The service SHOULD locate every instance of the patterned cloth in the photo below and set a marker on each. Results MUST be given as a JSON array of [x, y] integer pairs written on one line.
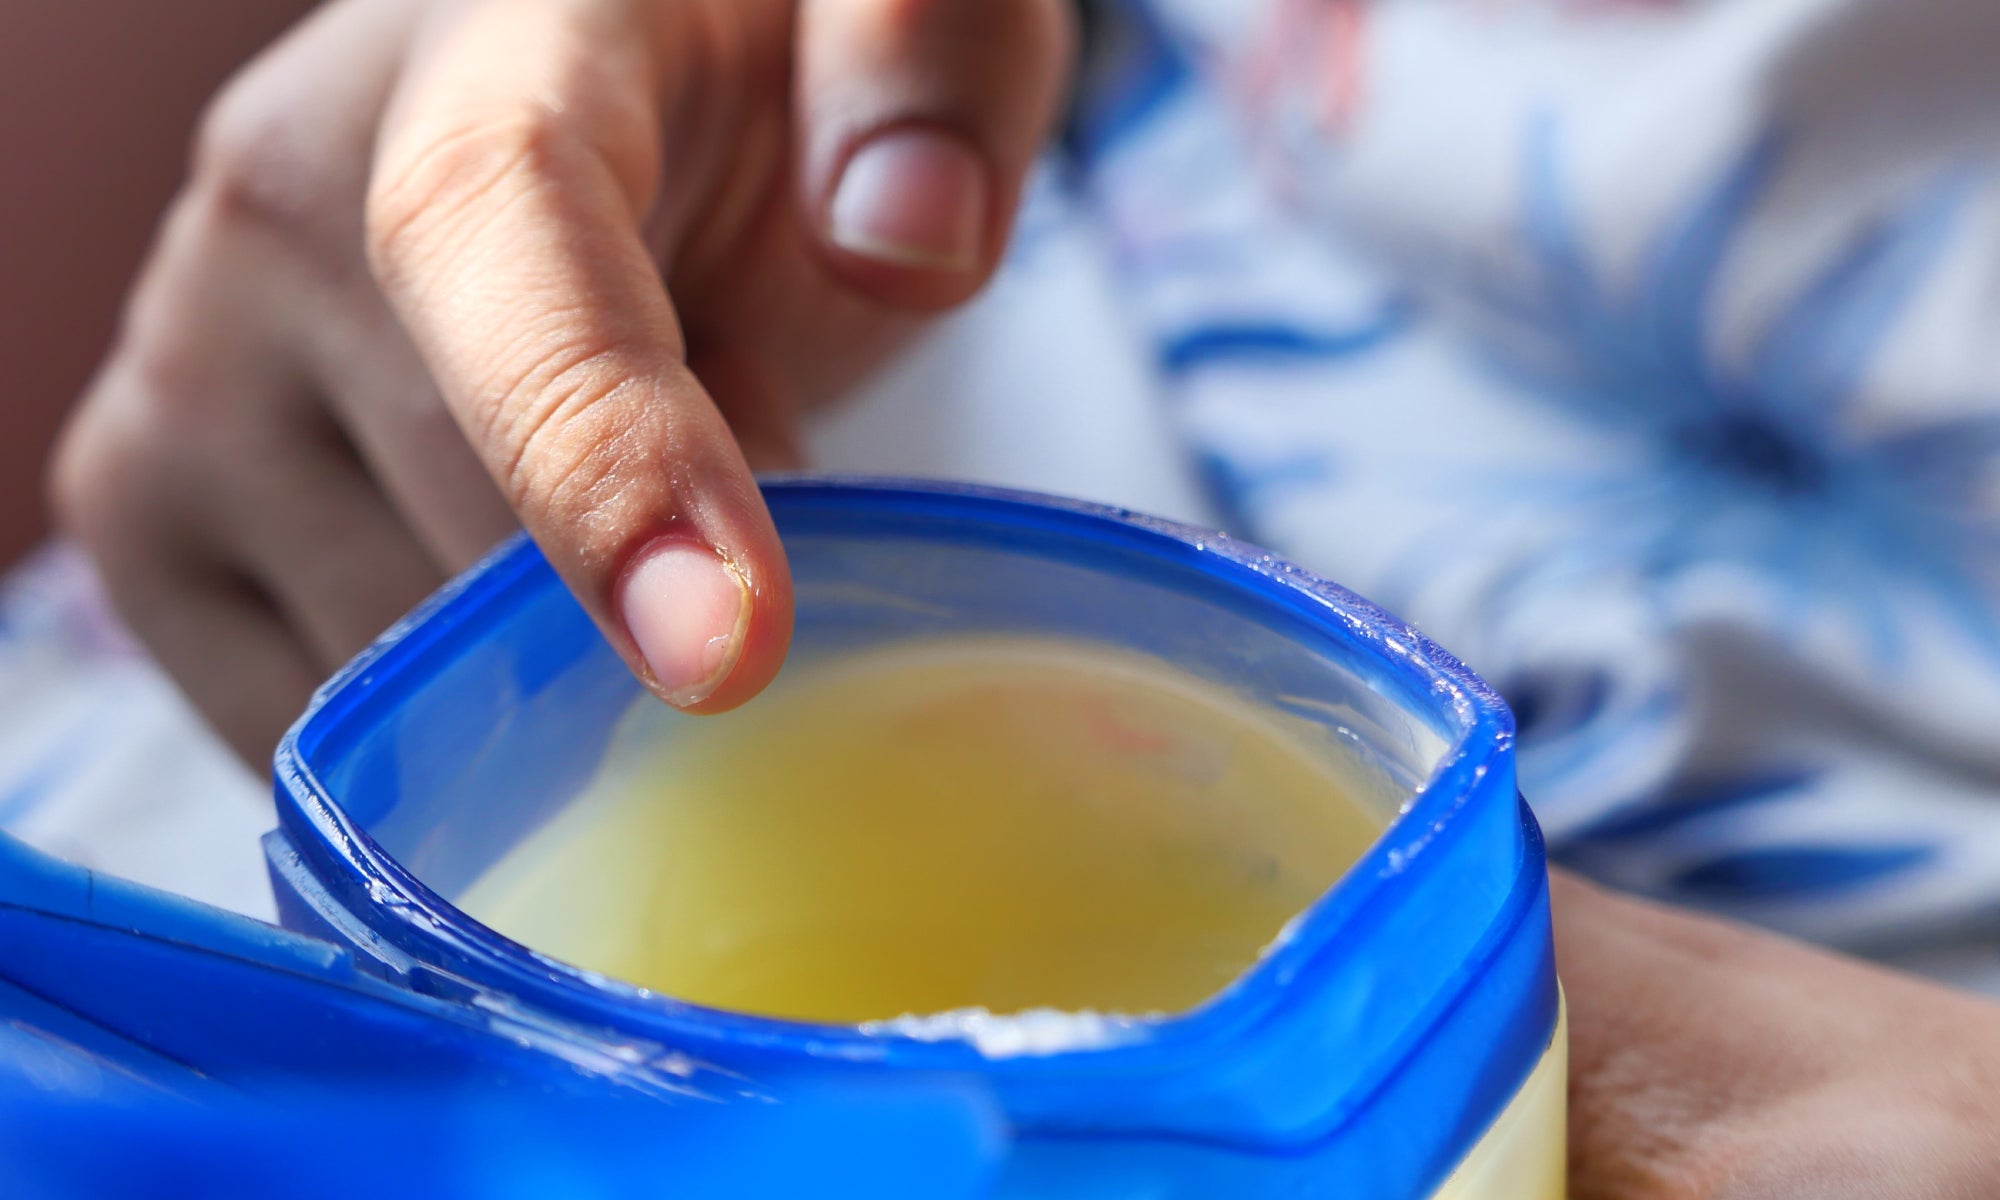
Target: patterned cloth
[[1642, 353]]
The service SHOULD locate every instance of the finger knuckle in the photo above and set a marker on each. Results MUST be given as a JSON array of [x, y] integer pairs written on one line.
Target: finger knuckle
[[155, 429], [169, 386], [420, 195], [258, 165]]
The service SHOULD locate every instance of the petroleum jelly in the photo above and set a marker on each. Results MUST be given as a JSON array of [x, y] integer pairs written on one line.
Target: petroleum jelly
[[996, 824]]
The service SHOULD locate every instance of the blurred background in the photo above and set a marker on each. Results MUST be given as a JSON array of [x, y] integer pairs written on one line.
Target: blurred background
[[99, 97]]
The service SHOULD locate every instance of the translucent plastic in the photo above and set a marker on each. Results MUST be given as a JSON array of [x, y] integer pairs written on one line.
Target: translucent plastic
[[1365, 1054], [1524, 1154]]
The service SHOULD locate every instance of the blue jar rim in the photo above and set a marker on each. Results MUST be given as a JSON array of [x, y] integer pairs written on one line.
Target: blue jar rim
[[349, 861]]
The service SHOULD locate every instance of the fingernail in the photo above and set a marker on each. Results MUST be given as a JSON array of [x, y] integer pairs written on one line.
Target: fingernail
[[912, 197], [688, 611]]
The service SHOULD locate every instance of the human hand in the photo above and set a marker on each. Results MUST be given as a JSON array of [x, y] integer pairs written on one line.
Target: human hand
[[597, 251], [1710, 1062]]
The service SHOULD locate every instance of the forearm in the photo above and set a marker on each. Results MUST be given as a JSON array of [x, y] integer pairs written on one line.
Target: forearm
[[1712, 1061]]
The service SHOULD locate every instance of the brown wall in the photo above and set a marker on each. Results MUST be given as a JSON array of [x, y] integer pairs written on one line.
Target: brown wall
[[97, 98]]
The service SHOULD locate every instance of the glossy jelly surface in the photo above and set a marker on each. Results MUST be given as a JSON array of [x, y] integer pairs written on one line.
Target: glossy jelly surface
[[1003, 823]]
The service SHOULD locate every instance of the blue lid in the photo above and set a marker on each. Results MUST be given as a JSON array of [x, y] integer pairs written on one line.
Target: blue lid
[[152, 1046], [1371, 1047]]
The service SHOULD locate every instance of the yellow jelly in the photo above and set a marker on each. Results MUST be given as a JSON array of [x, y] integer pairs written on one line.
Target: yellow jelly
[[1004, 824]]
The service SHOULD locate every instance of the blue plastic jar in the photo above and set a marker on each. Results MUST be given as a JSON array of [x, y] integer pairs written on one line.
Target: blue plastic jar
[[1365, 1055]]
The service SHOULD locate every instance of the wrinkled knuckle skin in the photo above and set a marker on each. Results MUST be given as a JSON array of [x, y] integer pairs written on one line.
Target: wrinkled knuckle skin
[[169, 388], [258, 168], [420, 197]]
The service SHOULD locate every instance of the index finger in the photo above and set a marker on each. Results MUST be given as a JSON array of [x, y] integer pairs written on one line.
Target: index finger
[[519, 159]]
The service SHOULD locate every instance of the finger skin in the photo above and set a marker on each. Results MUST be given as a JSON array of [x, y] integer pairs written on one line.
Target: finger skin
[[232, 525], [504, 225], [280, 174], [137, 510], [990, 73], [541, 168], [1712, 1061]]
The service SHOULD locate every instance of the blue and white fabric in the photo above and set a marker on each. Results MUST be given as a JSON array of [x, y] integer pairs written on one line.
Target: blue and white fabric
[[1644, 354]]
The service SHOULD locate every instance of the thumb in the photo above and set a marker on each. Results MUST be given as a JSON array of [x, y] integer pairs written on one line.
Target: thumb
[[920, 119]]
